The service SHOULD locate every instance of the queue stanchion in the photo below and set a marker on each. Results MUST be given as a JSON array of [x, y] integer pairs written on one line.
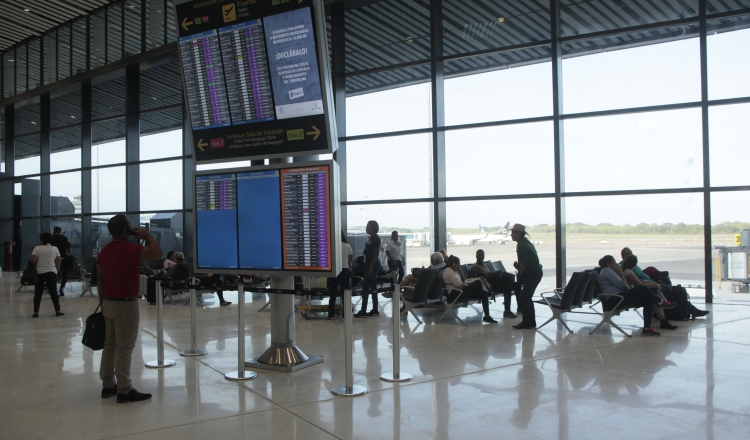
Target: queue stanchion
[[241, 374], [193, 331], [397, 375], [349, 389], [160, 362]]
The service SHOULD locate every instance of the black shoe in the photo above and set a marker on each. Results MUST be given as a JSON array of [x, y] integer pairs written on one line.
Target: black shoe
[[373, 312], [489, 319], [132, 396], [35, 315], [524, 325], [509, 314], [700, 313], [109, 392], [666, 325], [62, 293], [329, 318], [59, 313], [361, 314]]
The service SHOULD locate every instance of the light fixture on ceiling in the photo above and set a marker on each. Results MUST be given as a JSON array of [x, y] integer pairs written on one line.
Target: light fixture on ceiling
[[501, 20], [26, 10], [154, 98], [409, 39], [33, 122], [72, 116]]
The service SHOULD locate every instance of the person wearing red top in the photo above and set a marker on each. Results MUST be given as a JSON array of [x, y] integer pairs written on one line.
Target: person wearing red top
[[118, 269]]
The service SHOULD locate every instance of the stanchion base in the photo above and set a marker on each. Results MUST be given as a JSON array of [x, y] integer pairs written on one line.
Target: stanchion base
[[193, 353], [355, 390], [246, 375], [402, 377], [284, 368], [155, 364]]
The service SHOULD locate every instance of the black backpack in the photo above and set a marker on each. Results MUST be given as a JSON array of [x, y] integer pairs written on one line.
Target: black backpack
[[681, 312], [29, 275]]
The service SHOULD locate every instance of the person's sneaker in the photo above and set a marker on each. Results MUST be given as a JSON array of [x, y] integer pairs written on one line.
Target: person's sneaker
[[648, 331], [373, 312], [225, 303], [509, 314], [387, 294], [666, 325], [109, 392], [489, 319], [361, 314], [666, 305], [329, 318], [132, 396], [62, 293], [59, 313], [701, 313], [35, 315]]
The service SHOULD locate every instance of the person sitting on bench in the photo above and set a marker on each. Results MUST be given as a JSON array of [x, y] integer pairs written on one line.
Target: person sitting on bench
[[436, 262], [456, 286], [500, 281], [611, 281], [627, 271]]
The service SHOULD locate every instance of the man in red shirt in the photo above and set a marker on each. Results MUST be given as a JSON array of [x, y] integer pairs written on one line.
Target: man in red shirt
[[118, 269]]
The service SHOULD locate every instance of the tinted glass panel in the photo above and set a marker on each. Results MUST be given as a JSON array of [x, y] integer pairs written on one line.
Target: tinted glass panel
[[27, 150], [50, 57], [132, 27], [728, 68], [161, 86], [27, 119], [108, 189], [9, 73], [108, 98], [161, 145], [161, 186], [80, 32], [63, 52], [65, 148], [66, 109], [729, 137], [114, 32], [97, 39], [582, 17], [65, 193], [154, 24], [35, 63], [629, 151]]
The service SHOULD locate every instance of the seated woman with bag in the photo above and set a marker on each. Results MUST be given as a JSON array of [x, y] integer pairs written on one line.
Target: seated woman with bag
[[473, 290]]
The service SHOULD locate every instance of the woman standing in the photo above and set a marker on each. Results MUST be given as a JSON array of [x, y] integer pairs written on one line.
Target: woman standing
[[372, 262], [47, 261], [529, 275]]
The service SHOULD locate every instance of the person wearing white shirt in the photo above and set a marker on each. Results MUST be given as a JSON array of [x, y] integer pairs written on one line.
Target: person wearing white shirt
[[395, 258], [47, 260], [455, 285], [344, 279]]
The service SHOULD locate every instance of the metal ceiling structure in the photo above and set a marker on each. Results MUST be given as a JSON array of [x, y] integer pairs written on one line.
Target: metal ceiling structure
[[22, 19]]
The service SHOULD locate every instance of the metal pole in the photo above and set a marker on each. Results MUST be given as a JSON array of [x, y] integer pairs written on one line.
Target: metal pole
[[193, 331], [349, 389], [397, 375], [241, 374], [160, 362]]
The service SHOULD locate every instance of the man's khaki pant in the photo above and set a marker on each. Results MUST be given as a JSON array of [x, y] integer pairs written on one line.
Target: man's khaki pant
[[121, 326]]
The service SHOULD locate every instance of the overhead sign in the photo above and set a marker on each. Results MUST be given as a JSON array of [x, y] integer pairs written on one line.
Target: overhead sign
[[256, 78]]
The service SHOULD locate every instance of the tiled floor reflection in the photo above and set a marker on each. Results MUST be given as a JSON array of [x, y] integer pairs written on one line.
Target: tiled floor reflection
[[480, 381]]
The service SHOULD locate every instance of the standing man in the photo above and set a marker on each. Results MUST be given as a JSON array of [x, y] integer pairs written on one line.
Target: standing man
[[118, 269], [529, 275], [395, 258], [63, 245]]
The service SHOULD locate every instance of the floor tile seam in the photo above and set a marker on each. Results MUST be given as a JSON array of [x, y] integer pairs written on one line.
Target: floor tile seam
[[311, 422], [190, 423], [703, 338]]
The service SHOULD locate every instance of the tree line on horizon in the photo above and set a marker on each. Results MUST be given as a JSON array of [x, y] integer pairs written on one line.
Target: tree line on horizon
[[725, 228]]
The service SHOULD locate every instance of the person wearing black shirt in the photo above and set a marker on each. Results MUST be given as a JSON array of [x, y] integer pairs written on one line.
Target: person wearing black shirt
[[372, 262], [63, 245]]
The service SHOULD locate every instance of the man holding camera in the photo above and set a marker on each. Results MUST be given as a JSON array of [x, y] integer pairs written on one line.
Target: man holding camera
[[118, 269]]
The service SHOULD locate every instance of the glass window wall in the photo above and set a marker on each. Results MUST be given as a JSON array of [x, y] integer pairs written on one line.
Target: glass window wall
[[108, 190], [728, 70], [729, 137], [161, 185], [65, 193]]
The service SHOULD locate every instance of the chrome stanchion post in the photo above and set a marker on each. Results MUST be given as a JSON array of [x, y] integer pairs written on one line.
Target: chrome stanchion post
[[397, 375], [193, 331], [349, 389], [241, 374], [159, 362]]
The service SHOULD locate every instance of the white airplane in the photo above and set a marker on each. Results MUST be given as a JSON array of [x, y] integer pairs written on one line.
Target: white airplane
[[500, 237], [483, 238]]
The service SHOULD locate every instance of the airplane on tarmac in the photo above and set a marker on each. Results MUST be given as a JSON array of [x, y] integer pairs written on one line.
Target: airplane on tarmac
[[499, 237]]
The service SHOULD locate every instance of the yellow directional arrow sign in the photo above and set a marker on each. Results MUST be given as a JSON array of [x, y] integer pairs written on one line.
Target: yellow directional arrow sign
[[202, 144], [315, 133], [186, 24]]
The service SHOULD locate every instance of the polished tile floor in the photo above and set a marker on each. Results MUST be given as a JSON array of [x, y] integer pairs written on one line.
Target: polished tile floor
[[477, 382]]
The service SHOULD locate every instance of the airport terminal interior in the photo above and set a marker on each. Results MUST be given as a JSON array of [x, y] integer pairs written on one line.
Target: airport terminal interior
[[596, 124]]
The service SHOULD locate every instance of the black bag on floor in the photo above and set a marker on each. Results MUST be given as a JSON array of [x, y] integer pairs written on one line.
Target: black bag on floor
[[151, 291], [29, 275], [682, 311], [93, 334]]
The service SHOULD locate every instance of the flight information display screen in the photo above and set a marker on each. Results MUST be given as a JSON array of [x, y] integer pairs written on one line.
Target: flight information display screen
[[252, 78], [265, 219]]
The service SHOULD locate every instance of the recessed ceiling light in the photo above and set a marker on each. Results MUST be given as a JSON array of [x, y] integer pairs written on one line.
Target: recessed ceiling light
[[26, 10], [501, 19], [33, 122], [72, 116], [409, 39], [11, 61], [154, 98]]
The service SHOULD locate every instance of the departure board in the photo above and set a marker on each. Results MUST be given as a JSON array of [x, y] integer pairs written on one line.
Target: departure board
[[204, 81], [270, 219], [305, 217], [246, 70], [256, 78]]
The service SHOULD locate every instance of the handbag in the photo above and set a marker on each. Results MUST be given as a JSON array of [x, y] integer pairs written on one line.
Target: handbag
[[94, 333]]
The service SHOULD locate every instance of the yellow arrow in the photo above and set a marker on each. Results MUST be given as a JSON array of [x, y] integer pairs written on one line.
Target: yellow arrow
[[202, 144], [186, 23], [315, 133]]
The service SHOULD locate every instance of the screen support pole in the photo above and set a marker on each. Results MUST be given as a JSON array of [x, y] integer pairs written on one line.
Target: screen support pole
[[159, 362], [241, 374], [283, 355], [349, 389], [193, 331], [397, 375]]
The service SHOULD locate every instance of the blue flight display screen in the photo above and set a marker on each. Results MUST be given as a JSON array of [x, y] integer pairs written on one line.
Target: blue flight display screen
[[259, 219], [216, 204]]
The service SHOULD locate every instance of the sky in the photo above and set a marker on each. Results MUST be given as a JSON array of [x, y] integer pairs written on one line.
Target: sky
[[624, 152]]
